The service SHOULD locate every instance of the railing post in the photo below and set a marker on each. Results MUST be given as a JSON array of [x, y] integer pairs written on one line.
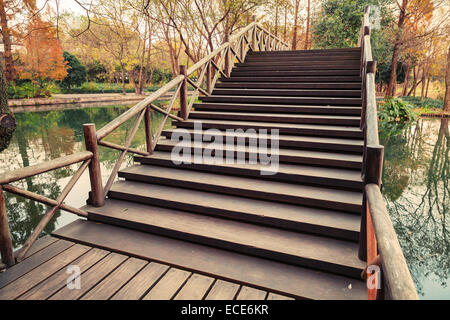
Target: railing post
[[227, 56], [372, 174], [148, 130], [90, 138], [5, 235], [208, 76], [183, 94], [254, 34], [241, 49]]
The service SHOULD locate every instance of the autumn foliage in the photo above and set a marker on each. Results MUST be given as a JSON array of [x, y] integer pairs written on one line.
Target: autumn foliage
[[42, 58]]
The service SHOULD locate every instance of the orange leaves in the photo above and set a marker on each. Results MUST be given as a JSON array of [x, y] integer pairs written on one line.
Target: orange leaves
[[42, 59]]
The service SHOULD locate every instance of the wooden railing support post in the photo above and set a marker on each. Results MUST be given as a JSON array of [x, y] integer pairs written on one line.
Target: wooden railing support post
[[148, 130], [241, 49], [254, 34], [183, 94], [227, 56], [5, 235], [372, 174], [90, 138], [208, 76]]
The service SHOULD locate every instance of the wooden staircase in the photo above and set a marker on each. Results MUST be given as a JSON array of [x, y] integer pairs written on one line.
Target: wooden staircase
[[298, 227]]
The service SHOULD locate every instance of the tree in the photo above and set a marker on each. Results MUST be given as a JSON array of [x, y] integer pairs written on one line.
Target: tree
[[7, 120], [9, 9], [76, 72], [42, 60], [447, 84]]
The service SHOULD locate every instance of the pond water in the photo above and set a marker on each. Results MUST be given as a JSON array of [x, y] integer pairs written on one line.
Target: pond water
[[42, 136], [415, 178], [416, 189]]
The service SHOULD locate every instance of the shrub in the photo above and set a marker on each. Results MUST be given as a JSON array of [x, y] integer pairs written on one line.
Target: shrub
[[27, 90], [397, 110], [426, 103]]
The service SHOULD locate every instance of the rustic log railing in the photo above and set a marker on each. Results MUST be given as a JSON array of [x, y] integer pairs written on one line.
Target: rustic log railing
[[8, 256], [202, 76], [379, 245]]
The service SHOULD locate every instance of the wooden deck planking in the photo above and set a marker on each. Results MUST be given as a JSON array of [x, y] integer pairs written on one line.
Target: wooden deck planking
[[91, 277], [195, 288], [247, 293], [168, 285], [116, 280], [223, 290], [142, 282], [45, 270], [34, 261], [57, 281]]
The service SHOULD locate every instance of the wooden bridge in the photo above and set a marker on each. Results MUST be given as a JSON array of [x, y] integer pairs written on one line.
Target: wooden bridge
[[224, 230]]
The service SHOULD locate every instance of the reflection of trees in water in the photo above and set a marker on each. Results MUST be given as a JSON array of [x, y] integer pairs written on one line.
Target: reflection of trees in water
[[42, 136], [420, 155]]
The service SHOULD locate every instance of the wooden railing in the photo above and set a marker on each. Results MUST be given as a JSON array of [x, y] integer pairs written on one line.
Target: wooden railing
[[379, 245], [202, 76], [8, 256]]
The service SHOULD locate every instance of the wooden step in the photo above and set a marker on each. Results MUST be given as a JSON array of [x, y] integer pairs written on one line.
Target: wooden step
[[284, 128], [309, 51], [340, 110], [291, 85], [318, 158], [320, 197], [311, 251], [294, 79], [302, 174], [277, 117], [326, 223], [288, 141], [265, 274], [300, 67], [286, 92], [303, 73], [284, 100], [356, 61], [302, 59]]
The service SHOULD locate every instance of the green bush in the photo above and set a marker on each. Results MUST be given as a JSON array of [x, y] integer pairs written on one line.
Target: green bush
[[427, 103], [396, 110]]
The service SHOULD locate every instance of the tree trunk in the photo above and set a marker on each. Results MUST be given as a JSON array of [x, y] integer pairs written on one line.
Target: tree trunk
[[422, 92], [447, 84], [405, 85], [396, 50], [9, 73], [294, 37], [276, 19], [307, 25], [428, 85], [285, 23], [7, 120]]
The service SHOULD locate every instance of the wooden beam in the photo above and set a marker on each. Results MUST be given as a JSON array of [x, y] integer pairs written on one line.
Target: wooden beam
[[148, 130], [6, 248], [95, 175], [19, 174], [183, 94]]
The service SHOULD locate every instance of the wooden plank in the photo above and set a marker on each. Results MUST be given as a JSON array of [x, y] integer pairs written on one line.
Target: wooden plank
[[288, 91], [40, 244], [91, 277], [142, 282], [59, 280], [274, 296], [288, 141], [296, 73], [247, 293], [284, 100], [32, 262], [45, 270], [252, 271], [314, 251], [284, 172], [223, 290], [294, 79], [195, 288], [284, 128], [114, 281], [169, 285]]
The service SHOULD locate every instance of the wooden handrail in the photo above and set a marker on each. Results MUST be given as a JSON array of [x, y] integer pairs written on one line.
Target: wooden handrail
[[22, 173], [377, 234], [397, 279]]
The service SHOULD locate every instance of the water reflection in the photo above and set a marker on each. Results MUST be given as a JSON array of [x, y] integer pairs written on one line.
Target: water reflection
[[42, 136], [416, 189]]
